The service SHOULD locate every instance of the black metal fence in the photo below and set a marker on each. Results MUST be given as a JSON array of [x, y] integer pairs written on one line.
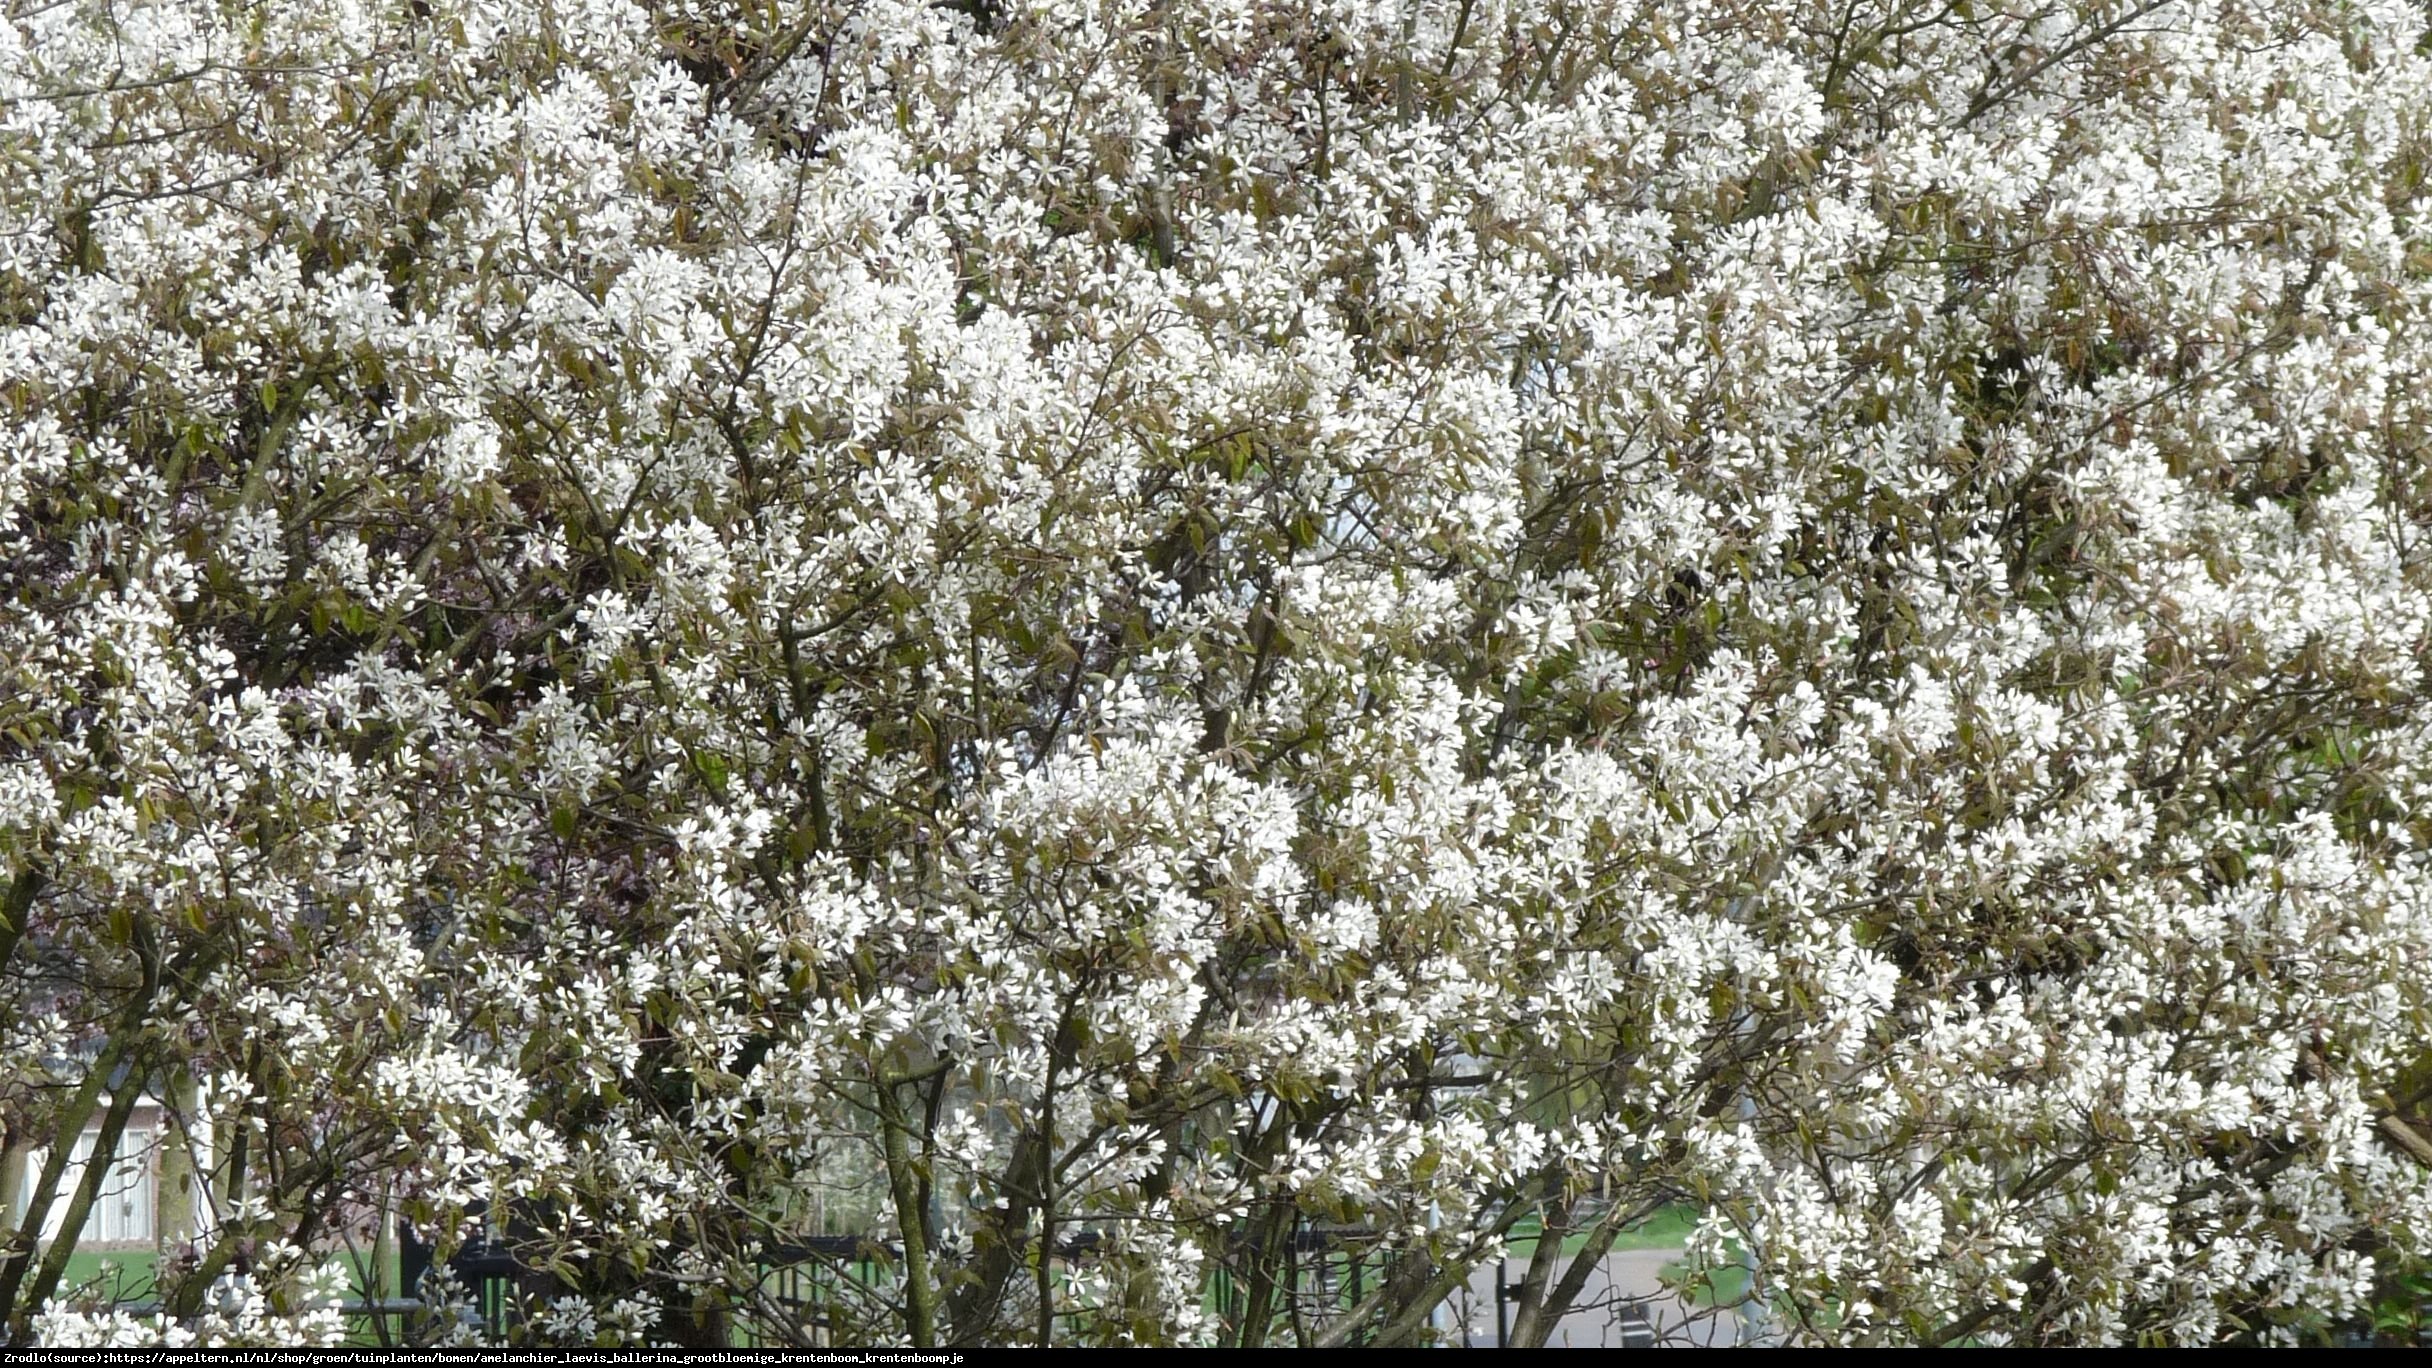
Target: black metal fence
[[815, 1291]]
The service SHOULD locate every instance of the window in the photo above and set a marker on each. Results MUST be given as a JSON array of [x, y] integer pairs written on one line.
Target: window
[[122, 1210]]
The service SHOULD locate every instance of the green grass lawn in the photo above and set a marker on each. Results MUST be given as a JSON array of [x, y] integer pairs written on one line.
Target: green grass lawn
[[116, 1274], [127, 1274], [1666, 1229], [1724, 1287]]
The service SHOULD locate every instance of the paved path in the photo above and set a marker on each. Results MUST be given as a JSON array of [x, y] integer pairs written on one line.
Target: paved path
[[1628, 1275]]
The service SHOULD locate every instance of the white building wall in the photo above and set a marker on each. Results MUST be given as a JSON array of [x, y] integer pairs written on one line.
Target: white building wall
[[126, 1209]]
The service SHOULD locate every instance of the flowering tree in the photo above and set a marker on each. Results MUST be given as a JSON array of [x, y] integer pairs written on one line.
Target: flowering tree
[[1183, 660]]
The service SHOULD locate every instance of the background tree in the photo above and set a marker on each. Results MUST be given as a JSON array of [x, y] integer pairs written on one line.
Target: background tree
[[1160, 643]]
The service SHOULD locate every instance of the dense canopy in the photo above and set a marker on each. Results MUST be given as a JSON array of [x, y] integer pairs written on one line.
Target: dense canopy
[[1107, 643]]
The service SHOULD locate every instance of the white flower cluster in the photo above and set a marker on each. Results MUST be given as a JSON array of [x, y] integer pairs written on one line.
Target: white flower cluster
[[1173, 659], [288, 1301]]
